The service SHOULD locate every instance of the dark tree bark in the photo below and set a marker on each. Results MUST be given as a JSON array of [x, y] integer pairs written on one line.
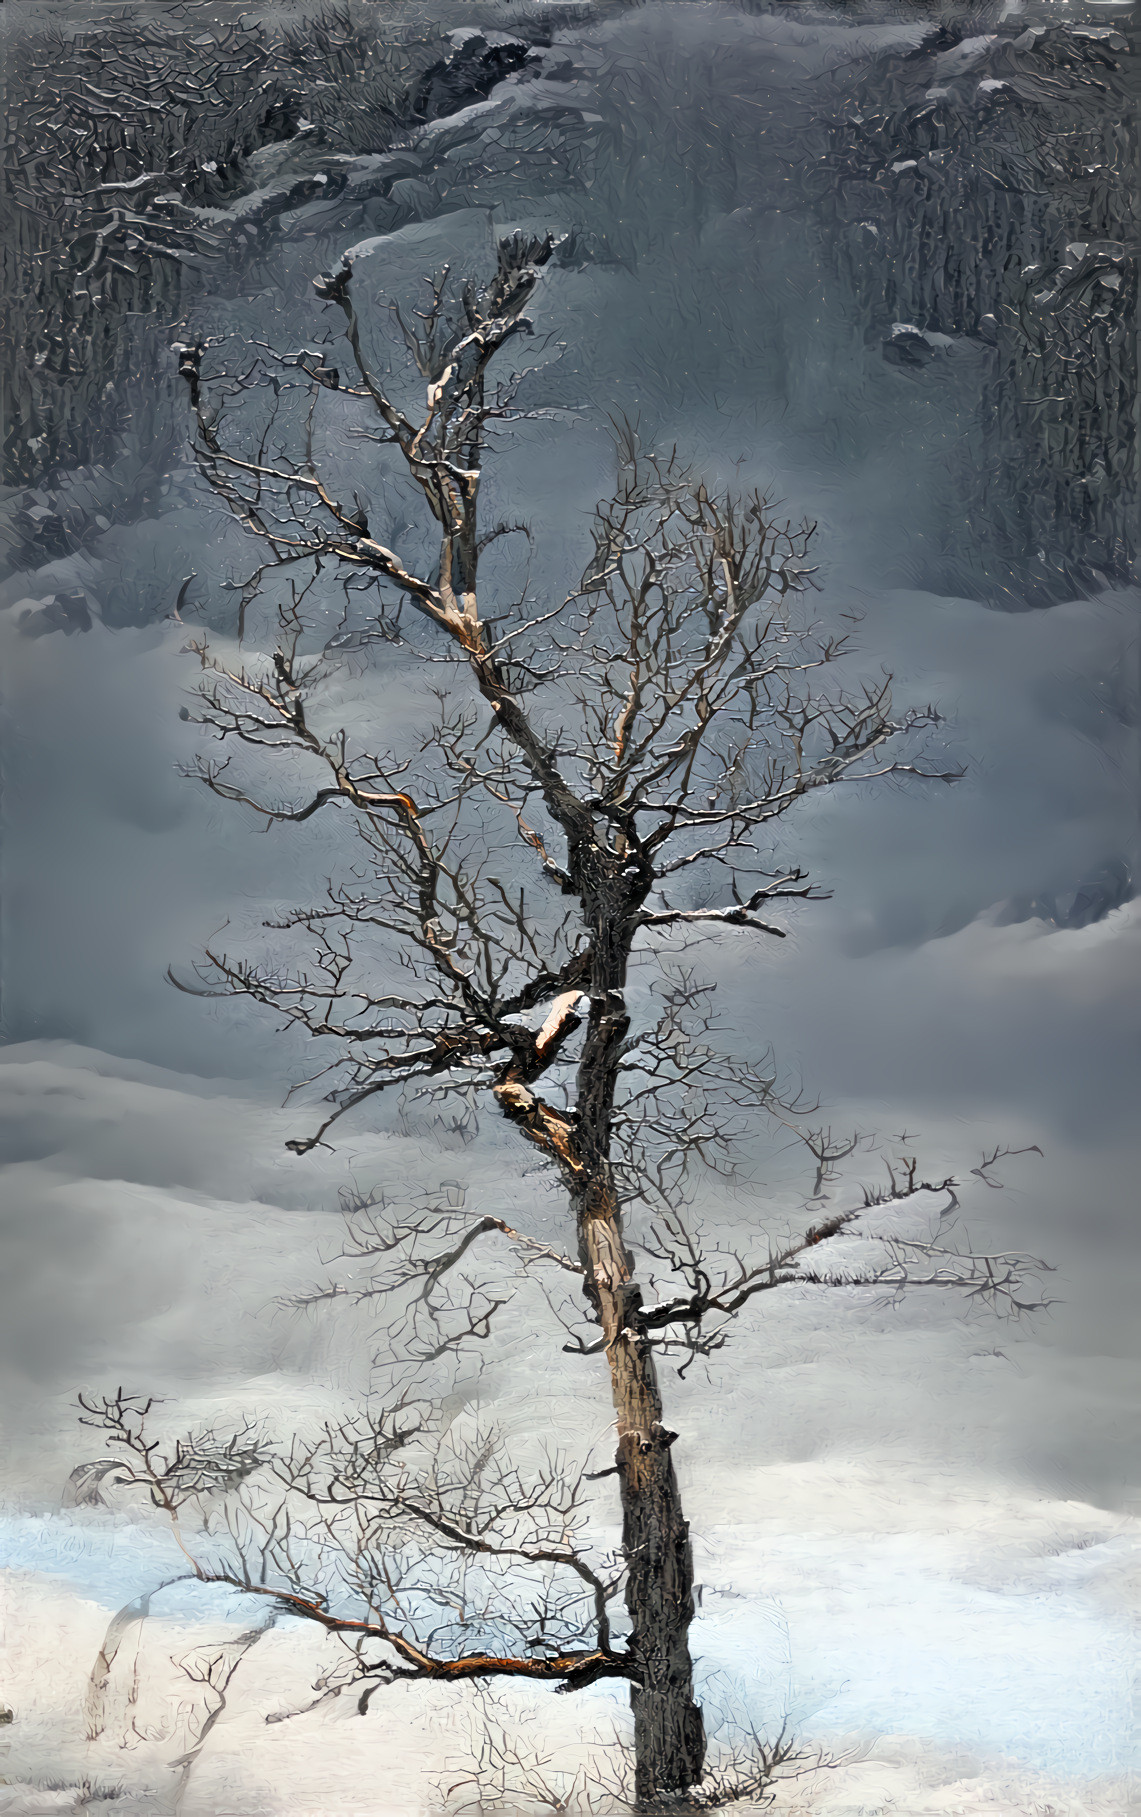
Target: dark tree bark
[[669, 1734]]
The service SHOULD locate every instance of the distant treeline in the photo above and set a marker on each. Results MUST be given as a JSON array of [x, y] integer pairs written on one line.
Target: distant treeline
[[119, 134], [986, 185]]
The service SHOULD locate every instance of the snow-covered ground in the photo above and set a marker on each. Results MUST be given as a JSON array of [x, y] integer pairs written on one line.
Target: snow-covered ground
[[870, 1563], [947, 1651]]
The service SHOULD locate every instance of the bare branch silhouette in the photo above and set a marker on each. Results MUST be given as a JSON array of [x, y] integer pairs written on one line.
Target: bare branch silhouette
[[593, 790]]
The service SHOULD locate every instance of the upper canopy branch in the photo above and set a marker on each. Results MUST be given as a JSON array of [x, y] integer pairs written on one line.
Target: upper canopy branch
[[660, 719]]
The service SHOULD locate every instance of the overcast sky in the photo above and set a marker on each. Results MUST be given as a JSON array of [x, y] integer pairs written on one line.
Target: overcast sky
[[152, 1214]]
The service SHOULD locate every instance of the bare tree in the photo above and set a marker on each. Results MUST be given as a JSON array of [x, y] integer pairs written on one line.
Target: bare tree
[[637, 743]]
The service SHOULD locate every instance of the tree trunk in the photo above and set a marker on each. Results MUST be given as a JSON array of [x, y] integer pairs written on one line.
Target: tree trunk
[[669, 1735]]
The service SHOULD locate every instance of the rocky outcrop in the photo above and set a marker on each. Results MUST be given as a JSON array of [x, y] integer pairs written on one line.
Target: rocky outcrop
[[476, 62]]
